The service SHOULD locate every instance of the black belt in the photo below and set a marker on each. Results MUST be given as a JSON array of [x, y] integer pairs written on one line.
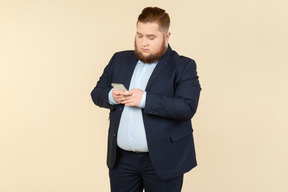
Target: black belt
[[137, 152]]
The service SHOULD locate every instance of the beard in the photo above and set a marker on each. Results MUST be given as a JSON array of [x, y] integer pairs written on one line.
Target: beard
[[152, 57]]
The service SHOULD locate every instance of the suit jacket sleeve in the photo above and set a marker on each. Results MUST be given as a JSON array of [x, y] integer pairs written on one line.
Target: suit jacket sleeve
[[183, 103], [100, 93]]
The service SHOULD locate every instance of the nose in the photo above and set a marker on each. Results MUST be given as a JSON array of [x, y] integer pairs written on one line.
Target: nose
[[145, 42]]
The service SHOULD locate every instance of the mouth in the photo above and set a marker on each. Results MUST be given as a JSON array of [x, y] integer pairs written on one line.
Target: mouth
[[145, 50]]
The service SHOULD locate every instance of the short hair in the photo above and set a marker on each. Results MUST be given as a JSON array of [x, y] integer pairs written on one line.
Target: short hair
[[155, 14]]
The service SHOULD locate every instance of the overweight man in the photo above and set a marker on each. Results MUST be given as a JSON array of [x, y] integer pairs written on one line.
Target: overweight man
[[152, 93]]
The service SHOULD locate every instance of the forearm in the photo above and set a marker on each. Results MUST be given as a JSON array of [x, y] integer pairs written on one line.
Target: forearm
[[179, 103], [100, 93], [172, 108], [100, 97]]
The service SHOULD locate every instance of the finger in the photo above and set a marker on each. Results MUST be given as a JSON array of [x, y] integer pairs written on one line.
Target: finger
[[127, 93], [117, 92], [122, 100]]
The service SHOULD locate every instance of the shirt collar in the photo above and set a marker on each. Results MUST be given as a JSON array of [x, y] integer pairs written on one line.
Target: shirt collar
[[140, 62]]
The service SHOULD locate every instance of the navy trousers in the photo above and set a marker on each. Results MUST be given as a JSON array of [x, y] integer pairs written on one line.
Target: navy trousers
[[134, 172]]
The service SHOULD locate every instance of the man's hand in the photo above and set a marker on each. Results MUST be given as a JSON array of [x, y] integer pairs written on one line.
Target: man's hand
[[131, 98], [118, 96]]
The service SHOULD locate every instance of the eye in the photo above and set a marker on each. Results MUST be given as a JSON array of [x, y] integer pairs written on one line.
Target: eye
[[140, 36], [151, 38]]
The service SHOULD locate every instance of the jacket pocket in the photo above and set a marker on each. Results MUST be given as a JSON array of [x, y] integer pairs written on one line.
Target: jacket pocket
[[180, 134]]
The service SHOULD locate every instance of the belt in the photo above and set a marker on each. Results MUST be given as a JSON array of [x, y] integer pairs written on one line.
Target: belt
[[137, 152], [140, 152]]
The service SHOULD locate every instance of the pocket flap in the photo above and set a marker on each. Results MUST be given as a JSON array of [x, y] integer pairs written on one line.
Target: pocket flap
[[180, 134]]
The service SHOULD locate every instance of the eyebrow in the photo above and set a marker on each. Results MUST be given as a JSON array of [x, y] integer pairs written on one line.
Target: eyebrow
[[148, 35]]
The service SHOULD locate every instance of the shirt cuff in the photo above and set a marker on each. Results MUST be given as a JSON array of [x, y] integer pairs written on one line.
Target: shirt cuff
[[143, 100], [111, 99]]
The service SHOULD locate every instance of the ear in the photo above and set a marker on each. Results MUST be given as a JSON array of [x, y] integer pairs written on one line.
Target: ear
[[167, 36]]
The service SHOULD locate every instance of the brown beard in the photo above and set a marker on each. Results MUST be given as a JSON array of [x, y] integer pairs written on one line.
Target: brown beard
[[152, 57]]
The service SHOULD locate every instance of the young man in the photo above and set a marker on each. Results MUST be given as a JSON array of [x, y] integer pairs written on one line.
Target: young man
[[150, 141]]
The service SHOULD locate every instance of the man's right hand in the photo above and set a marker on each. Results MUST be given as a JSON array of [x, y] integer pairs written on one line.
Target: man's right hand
[[118, 96]]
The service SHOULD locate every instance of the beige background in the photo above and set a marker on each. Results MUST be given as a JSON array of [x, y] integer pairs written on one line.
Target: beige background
[[53, 138]]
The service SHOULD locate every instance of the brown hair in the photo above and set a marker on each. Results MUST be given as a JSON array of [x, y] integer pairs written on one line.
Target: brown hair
[[155, 14]]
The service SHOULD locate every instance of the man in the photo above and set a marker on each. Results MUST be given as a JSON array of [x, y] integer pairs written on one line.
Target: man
[[150, 141]]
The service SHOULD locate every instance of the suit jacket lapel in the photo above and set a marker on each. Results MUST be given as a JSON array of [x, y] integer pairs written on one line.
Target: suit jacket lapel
[[162, 64], [129, 71]]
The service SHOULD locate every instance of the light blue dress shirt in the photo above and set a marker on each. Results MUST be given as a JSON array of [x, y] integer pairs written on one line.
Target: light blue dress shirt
[[131, 132]]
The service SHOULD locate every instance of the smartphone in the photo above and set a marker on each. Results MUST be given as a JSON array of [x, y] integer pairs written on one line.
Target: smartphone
[[119, 86]]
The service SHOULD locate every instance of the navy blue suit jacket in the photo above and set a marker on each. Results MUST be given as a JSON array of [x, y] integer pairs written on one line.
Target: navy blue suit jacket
[[172, 97]]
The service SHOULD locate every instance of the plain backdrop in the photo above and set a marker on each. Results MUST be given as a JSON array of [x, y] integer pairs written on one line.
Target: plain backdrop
[[52, 52]]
